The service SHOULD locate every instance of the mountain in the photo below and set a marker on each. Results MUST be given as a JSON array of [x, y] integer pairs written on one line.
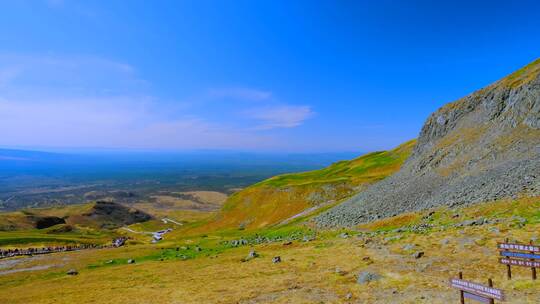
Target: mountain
[[483, 147], [285, 197]]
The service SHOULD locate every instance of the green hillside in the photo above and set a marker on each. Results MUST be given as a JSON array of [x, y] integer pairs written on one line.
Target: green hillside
[[283, 197]]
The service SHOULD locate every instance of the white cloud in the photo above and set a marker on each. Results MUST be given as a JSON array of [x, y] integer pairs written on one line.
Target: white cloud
[[85, 101], [241, 94], [282, 116], [38, 75], [113, 123]]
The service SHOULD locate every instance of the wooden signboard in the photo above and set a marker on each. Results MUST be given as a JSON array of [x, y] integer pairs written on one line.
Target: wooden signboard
[[475, 291], [518, 247], [524, 255], [523, 263], [472, 296], [521, 255]]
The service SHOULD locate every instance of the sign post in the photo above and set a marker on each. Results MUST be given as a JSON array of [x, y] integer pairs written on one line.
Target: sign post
[[533, 269], [519, 255], [475, 291]]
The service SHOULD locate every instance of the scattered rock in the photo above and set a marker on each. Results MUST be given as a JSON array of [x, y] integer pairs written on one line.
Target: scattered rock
[[500, 160], [348, 296], [408, 247], [367, 260], [519, 221], [340, 272], [252, 254], [131, 261], [198, 249], [366, 277], [72, 272], [276, 259], [344, 235], [308, 238], [392, 238], [494, 230], [418, 254], [424, 267], [287, 243], [477, 222]]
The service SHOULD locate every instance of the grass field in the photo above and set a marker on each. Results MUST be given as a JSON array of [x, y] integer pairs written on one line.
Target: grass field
[[282, 197], [321, 270]]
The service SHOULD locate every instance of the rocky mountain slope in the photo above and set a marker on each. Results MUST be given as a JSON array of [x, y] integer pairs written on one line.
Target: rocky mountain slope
[[483, 147], [283, 198]]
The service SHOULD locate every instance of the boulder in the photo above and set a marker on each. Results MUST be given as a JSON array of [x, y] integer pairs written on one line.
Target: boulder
[[72, 272], [365, 277], [340, 272], [418, 254]]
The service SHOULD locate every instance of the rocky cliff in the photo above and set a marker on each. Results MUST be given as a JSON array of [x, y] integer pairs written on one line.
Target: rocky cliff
[[483, 147]]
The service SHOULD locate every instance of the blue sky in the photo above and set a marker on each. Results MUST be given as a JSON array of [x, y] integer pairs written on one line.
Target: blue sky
[[305, 76]]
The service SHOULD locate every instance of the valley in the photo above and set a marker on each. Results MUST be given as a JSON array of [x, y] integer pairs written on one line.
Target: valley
[[385, 227]]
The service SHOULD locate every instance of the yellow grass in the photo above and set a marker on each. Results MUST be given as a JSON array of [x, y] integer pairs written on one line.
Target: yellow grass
[[306, 275]]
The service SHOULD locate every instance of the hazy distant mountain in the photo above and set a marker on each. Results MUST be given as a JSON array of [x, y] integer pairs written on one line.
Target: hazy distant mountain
[[34, 178]]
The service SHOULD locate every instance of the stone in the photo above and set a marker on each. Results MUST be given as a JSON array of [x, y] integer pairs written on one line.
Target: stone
[[308, 238], [418, 254], [131, 261], [365, 277], [408, 247], [494, 230], [392, 238], [424, 267], [72, 272], [340, 272], [276, 259], [367, 260], [251, 255], [348, 296]]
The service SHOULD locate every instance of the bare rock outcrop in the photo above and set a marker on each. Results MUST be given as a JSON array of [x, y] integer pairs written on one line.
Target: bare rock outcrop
[[483, 147]]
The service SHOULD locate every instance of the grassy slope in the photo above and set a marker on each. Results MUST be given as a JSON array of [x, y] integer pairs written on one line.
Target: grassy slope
[[308, 271], [17, 230], [279, 198]]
